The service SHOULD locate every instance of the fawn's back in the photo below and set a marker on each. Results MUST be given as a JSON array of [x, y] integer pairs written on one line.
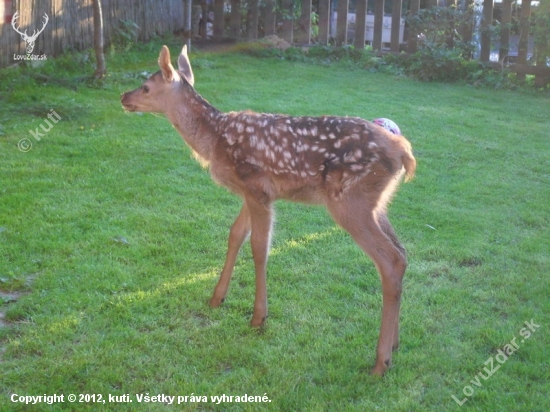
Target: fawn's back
[[304, 158]]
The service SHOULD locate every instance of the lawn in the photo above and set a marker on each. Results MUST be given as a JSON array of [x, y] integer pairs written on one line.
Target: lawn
[[112, 237]]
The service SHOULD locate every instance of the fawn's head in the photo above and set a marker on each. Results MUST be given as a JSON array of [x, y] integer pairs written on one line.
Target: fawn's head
[[157, 94]]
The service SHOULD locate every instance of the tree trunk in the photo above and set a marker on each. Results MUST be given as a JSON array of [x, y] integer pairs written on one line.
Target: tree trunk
[[100, 70]]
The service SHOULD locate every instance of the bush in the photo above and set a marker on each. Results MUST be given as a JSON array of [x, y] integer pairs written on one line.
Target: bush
[[435, 60], [442, 52], [438, 64]]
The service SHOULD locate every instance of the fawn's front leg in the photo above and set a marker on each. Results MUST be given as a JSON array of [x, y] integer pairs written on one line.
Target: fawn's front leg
[[237, 235], [261, 217]]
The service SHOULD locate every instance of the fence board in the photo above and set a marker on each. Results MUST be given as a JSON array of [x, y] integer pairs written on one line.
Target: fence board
[[360, 24], [342, 23], [70, 24], [218, 19], [486, 22], [235, 19], [466, 29], [270, 19], [412, 42], [324, 21], [395, 25], [378, 24], [505, 33], [524, 36], [303, 34], [288, 20], [253, 18]]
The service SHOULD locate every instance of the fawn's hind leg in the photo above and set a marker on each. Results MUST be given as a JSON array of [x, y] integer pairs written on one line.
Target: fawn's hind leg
[[388, 230], [361, 221], [237, 235]]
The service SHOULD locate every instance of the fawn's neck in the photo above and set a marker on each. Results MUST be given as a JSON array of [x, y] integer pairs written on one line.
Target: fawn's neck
[[195, 119]]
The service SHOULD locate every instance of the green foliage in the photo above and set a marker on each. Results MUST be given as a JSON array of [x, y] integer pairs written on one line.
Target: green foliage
[[314, 25], [541, 31], [439, 64], [124, 36], [439, 27], [442, 53], [323, 55], [114, 236], [430, 64]]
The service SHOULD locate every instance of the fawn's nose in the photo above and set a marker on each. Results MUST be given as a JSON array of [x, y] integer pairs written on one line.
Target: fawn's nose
[[125, 103]]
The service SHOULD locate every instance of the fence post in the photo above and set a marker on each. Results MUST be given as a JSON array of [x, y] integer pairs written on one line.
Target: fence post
[[324, 20], [412, 41], [451, 30], [218, 19], [203, 26], [252, 19], [304, 23], [342, 23], [288, 20], [505, 32], [378, 25], [188, 21], [360, 24], [467, 28], [395, 25], [544, 78], [523, 36], [486, 23], [270, 17], [235, 19], [196, 12]]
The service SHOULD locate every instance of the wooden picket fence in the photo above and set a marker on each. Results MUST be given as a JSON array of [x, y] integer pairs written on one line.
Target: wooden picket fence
[[71, 26], [299, 30]]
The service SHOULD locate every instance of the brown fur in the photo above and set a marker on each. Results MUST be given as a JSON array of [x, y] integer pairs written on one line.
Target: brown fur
[[351, 166]]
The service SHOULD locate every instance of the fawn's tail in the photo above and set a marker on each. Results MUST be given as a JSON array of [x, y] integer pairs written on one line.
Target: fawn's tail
[[409, 162]]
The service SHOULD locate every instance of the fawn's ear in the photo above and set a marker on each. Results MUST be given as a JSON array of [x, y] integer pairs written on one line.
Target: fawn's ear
[[165, 66], [185, 67]]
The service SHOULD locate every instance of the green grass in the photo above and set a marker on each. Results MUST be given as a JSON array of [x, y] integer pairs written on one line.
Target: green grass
[[112, 237]]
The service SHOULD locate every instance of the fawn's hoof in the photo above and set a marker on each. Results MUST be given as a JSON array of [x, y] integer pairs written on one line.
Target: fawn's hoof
[[257, 322], [380, 368], [215, 302]]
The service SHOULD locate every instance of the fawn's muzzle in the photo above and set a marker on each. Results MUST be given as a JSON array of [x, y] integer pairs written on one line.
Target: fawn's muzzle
[[124, 100]]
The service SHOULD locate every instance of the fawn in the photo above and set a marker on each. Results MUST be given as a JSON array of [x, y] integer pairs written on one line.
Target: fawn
[[349, 165]]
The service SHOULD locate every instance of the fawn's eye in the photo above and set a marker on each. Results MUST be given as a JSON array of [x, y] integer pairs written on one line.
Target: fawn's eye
[[145, 89]]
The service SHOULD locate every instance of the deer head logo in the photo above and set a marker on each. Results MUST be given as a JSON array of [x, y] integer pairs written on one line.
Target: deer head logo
[[26, 38]]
